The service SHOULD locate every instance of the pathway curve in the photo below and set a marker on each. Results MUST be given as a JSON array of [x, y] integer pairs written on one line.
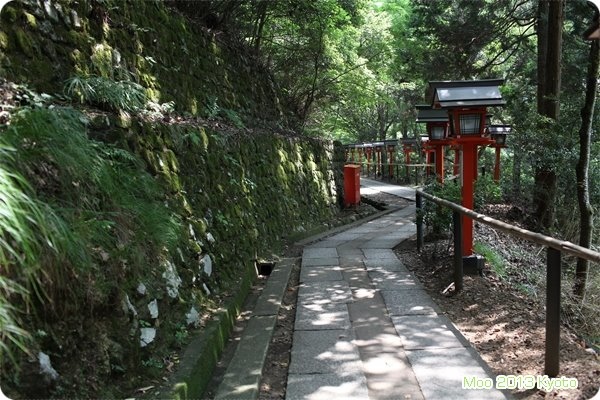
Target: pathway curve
[[366, 329]]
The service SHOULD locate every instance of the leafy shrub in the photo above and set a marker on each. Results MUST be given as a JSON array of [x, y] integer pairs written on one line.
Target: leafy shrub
[[486, 191], [74, 204], [106, 93], [436, 217]]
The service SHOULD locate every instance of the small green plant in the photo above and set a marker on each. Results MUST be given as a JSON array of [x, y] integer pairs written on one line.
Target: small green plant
[[492, 257], [234, 118], [181, 335], [159, 110], [153, 362], [212, 108], [486, 191], [439, 219], [106, 93]]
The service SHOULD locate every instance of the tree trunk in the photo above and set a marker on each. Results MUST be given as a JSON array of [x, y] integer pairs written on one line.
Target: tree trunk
[[381, 121], [516, 174], [583, 196], [261, 19], [542, 50], [549, 61]]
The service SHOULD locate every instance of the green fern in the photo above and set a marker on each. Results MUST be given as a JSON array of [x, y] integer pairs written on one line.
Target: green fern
[[72, 196], [106, 93]]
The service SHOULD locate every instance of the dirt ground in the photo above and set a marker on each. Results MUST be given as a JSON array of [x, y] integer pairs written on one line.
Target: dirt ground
[[506, 326], [499, 317]]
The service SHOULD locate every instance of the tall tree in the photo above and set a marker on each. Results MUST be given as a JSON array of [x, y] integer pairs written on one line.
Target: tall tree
[[586, 224], [550, 28]]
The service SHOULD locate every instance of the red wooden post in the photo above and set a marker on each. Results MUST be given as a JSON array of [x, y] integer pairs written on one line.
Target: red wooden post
[[469, 156], [407, 151], [360, 157], [378, 151], [391, 161], [439, 162], [456, 160]]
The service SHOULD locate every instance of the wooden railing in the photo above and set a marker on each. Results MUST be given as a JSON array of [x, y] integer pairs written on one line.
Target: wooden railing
[[555, 248]]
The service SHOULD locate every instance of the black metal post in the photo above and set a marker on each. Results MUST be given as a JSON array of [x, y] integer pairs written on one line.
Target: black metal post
[[458, 260], [553, 268], [419, 201]]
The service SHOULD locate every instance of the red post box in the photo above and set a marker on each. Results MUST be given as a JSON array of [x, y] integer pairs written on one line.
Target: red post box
[[351, 185]]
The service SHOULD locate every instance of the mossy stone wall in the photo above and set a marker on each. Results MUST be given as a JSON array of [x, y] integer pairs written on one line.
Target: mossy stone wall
[[236, 193], [45, 42]]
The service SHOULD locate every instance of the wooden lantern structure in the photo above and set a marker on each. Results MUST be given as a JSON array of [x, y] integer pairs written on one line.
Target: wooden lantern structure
[[409, 145], [466, 103], [368, 151], [359, 154], [428, 151], [351, 153], [378, 146], [498, 133], [390, 147], [437, 133]]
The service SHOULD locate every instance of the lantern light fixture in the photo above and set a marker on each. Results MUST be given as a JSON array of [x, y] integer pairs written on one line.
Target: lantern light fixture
[[499, 133], [466, 103], [436, 120]]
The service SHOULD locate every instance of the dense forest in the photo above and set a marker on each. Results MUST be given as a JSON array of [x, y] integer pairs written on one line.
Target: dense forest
[[356, 69], [306, 72]]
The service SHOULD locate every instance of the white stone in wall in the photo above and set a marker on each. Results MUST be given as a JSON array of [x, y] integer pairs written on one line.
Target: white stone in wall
[[192, 232], [51, 11], [206, 289], [46, 367], [207, 263], [172, 278], [128, 307], [75, 20], [153, 308], [147, 336], [193, 318], [210, 238], [141, 289]]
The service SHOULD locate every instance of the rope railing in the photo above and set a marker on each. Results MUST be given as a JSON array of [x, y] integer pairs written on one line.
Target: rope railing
[[555, 248]]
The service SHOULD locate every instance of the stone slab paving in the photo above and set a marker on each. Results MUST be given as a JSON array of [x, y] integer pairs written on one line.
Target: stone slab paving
[[320, 273], [366, 329]]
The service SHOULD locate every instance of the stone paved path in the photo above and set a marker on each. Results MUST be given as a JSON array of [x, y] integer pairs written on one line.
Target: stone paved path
[[366, 329]]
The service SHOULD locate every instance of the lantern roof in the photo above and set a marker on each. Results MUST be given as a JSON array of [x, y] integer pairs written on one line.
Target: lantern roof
[[457, 94], [499, 129], [427, 114], [408, 141]]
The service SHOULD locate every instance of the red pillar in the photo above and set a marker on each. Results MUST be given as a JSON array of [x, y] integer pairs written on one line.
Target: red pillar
[[456, 160], [469, 158], [497, 166], [360, 157], [439, 162], [406, 161], [428, 160]]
